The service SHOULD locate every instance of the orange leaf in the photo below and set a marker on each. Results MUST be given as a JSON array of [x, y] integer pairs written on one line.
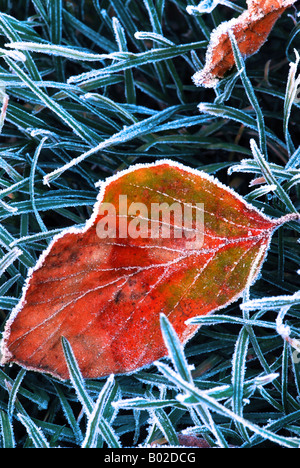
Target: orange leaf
[[251, 30], [103, 287]]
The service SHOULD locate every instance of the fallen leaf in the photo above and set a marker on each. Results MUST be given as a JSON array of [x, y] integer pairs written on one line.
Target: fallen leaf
[[251, 29], [192, 441], [184, 440], [105, 295]]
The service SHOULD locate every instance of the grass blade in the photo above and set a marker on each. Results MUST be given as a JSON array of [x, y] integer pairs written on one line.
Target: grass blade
[[7, 430], [133, 131], [163, 422], [238, 373], [175, 348], [250, 93], [9, 258], [292, 87], [63, 115], [36, 435], [76, 378], [280, 192], [97, 423], [68, 411], [13, 392], [199, 398]]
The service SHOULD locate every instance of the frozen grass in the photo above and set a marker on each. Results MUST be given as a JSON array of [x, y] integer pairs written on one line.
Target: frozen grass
[[88, 88]]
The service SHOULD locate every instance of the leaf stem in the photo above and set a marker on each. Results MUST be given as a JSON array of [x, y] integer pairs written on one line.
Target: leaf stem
[[286, 218]]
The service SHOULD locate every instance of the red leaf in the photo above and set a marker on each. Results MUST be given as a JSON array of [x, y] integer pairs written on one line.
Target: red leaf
[[184, 440], [105, 295], [251, 29]]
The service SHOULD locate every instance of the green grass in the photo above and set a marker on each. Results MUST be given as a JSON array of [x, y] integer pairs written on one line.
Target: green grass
[[94, 87]]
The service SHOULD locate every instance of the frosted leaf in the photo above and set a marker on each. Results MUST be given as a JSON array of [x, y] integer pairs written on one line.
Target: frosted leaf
[[105, 294], [251, 30]]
